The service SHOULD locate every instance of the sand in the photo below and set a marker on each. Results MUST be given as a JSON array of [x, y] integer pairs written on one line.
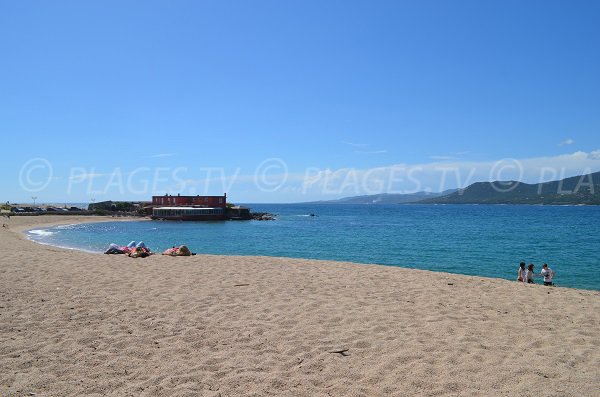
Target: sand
[[74, 323]]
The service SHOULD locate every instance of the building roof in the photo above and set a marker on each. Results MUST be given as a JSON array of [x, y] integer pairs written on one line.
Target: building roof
[[185, 208]]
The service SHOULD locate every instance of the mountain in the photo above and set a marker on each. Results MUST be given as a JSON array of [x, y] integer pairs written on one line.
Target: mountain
[[385, 198], [577, 190]]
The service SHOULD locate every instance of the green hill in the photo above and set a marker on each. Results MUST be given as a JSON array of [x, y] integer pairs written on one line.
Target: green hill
[[577, 190], [384, 198]]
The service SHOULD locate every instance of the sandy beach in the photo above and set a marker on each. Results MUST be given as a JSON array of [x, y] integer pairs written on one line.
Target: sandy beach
[[75, 323]]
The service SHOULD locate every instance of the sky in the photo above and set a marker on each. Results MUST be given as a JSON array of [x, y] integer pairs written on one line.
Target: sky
[[292, 101]]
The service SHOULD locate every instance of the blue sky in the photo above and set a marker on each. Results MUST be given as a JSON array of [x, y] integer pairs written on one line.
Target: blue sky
[[125, 99]]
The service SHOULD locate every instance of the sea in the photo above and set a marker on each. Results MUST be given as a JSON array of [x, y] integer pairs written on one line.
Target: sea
[[480, 240]]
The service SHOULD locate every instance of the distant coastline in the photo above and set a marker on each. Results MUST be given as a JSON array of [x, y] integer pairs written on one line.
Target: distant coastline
[[576, 190]]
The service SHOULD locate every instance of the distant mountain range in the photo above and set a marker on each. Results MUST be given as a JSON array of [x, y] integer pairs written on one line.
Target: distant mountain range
[[386, 198], [577, 190]]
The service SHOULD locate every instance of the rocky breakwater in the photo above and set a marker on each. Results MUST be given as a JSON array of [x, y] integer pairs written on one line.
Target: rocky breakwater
[[263, 216]]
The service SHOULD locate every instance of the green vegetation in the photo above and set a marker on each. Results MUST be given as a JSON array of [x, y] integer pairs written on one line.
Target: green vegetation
[[577, 190], [385, 198], [124, 206]]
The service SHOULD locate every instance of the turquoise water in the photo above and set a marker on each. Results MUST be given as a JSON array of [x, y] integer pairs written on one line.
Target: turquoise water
[[485, 240]]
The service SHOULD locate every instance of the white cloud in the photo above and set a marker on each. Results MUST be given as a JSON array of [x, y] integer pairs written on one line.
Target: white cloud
[[325, 183], [355, 144], [315, 183], [566, 142], [84, 176], [441, 175], [164, 155], [442, 158], [364, 148], [371, 151], [595, 155], [451, 156]]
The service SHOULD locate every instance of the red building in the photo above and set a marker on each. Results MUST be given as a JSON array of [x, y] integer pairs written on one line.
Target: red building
[[190, 201], [191, 208]]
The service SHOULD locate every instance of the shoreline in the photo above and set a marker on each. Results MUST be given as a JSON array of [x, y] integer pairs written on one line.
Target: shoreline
[[71, 220], [78, 323], [61, 220], [80, 219]]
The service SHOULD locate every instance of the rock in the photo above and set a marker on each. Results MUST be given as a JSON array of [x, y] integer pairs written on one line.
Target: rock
[[263, 216]]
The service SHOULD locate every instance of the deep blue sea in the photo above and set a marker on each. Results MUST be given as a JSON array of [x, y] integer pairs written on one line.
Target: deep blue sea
[[484, 240]]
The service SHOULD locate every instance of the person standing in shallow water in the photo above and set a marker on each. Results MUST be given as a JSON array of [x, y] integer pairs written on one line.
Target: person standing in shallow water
[[547, 273], [528, 277], [521, 271]]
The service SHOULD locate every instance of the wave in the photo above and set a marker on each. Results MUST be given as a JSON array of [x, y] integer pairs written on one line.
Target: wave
[[41, 232], [67, 227]]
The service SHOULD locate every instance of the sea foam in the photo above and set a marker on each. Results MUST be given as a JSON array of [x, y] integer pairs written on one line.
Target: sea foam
[[41, 232]]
